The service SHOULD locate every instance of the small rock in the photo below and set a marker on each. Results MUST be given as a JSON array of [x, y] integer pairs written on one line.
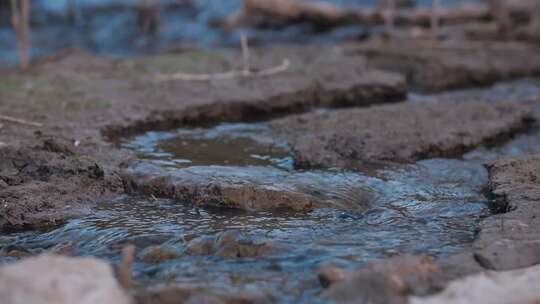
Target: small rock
[[515, 286], [202, 295], [3, 184], [329, 275], [229, 244], [50, 279], [158, 254], [16, 253], [385, 281], [367, 287]]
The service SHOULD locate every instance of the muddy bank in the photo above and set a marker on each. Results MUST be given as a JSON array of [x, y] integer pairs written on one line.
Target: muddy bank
[[43, 185], [509, 240], [316, 78], [436, 66], [398, 133], [78, 97]]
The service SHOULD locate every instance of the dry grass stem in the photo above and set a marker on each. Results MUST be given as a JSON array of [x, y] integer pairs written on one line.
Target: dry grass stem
[[20, 121], [246, 71]]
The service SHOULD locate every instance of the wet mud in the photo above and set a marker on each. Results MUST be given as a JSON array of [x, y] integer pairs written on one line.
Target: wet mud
[[447, 65], [183, 233], [239, 208], [401, 133]]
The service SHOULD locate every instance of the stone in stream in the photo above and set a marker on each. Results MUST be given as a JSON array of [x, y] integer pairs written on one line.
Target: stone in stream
[[159, 253], [49, 279], [201, 295], [436, 66], [252, 187], [383, 281], [398, 133], [511, 240], [515, 286], [229, 244]]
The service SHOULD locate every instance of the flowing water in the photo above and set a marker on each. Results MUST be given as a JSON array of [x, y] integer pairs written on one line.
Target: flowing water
[[430, 207]]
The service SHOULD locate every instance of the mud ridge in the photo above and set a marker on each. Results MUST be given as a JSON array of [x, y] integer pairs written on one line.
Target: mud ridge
[[399, 133], [275, 106]]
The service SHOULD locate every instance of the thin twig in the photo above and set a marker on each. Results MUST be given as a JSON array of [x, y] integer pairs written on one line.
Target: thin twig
[[25, 30], [226, 75], [124, 272], [20, 121], [20, 19]]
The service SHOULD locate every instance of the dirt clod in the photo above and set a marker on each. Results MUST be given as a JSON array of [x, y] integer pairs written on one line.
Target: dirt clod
[[398, 133]]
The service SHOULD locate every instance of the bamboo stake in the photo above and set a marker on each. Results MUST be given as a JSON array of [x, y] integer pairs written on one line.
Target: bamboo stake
[[245, 54], [434, 20], [20, 19], [389, 16]]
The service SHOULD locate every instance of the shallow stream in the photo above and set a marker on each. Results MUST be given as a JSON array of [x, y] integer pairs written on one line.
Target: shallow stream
[[430, 207]]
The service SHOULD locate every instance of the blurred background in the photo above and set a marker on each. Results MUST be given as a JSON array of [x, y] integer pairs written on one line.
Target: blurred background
[[123, 28]]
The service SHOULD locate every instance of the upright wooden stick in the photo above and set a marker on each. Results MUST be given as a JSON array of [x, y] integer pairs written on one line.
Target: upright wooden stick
[[20, 19], [389, 12], [501, 16], [245, 54], [434, 21]]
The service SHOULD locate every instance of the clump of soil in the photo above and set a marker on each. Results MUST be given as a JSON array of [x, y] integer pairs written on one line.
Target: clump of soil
[[436, 66], [44, 184], [398, 133]]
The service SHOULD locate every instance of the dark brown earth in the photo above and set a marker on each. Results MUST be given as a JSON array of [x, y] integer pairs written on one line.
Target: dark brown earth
[[398, 133], [50, 176], [437, 66]]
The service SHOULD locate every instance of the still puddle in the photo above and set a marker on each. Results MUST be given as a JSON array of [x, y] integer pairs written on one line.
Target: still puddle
[[225, 144], [430, 207]]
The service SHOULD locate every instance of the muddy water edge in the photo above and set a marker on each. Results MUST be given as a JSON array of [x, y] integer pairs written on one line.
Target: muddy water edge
[[430, 207]]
